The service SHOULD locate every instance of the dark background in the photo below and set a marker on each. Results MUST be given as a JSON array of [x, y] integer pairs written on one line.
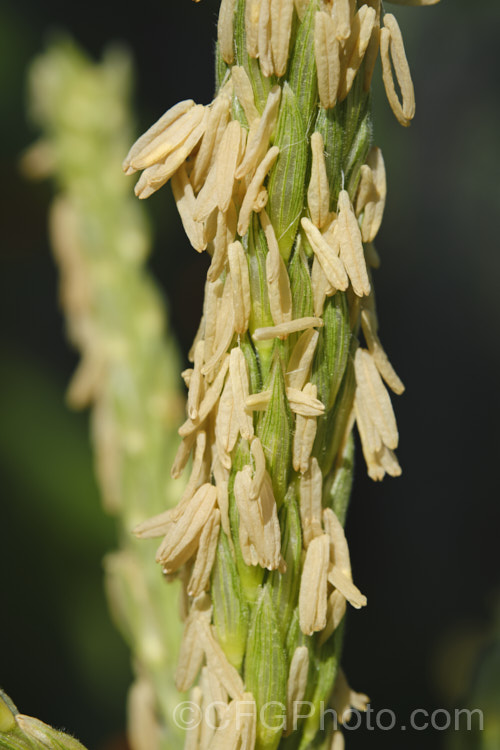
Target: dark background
[[425, 546]]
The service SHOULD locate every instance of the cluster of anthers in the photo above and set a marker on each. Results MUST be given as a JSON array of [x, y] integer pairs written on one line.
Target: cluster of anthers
[[219, 170]]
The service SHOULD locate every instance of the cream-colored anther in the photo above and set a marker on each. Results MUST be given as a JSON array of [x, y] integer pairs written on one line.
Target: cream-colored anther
[[240, 281], [318, 192], [392, 46]]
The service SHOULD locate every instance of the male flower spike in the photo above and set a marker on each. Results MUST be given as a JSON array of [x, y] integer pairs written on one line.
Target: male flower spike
[[278, 181]]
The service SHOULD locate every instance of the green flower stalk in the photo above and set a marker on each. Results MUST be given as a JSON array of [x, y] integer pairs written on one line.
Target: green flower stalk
[[128, 372], [278, 180]]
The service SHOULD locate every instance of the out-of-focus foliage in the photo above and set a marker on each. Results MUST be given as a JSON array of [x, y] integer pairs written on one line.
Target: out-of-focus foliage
[[54, 620], [470, 670]]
